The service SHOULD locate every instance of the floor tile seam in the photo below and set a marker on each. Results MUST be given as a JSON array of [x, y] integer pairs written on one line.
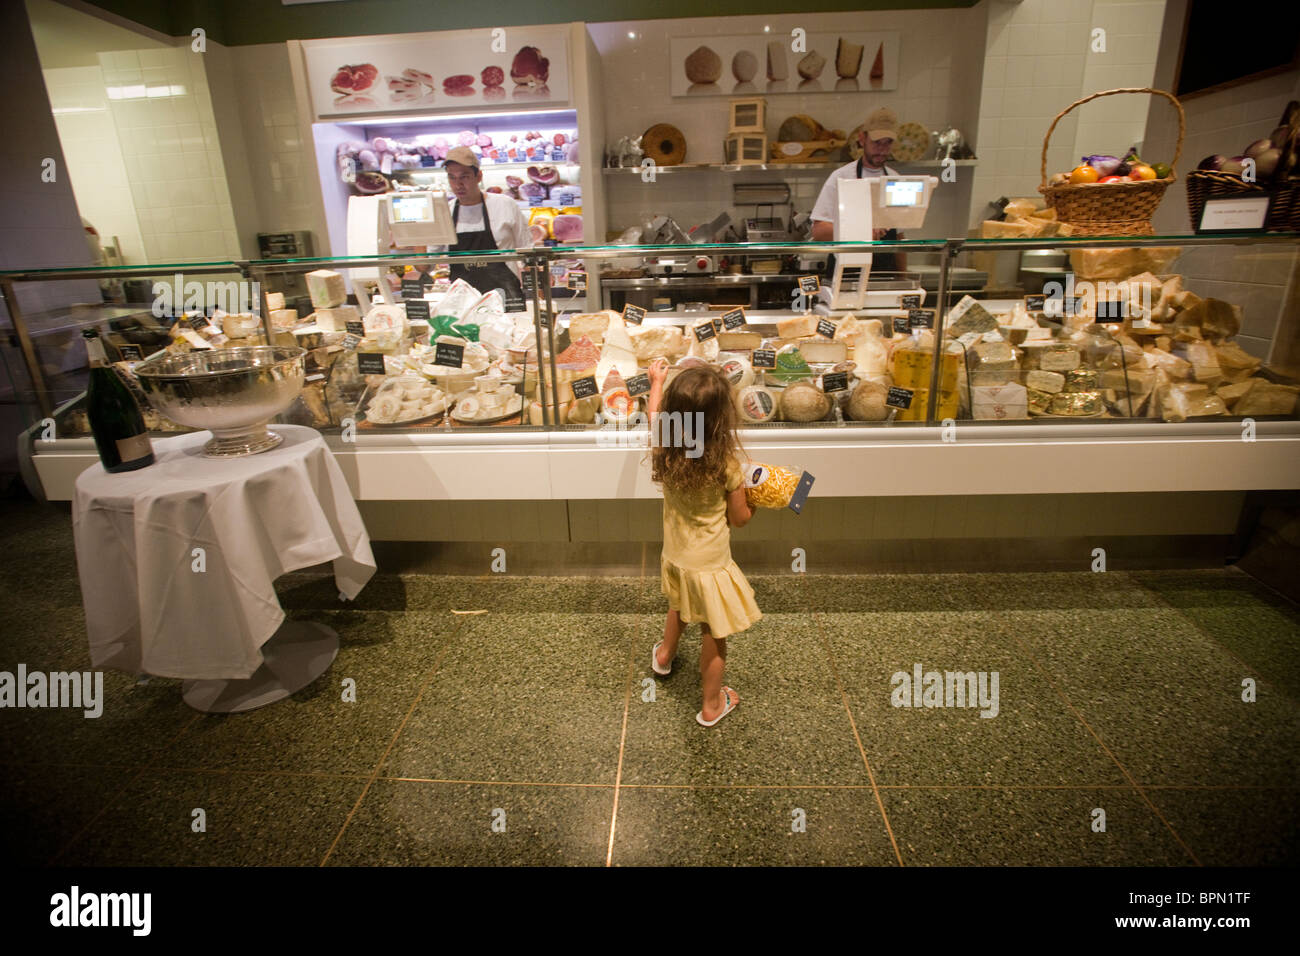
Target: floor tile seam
[[627, 709], [1252, 671], [1052, 682], [857, 738], [446, 647]]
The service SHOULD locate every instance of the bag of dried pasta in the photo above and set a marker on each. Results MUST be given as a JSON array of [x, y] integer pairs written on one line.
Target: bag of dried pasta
[[770, 486]]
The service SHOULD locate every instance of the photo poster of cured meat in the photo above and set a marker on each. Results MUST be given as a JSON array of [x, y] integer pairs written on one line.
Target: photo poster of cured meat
[[509, 68], [764, 64]]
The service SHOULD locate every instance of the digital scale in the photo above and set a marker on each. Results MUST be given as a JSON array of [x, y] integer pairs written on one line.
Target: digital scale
[[867, 204], [380, 225]]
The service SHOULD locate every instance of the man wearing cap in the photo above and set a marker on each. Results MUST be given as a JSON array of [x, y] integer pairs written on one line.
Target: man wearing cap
[[876, 139], [485, 222]]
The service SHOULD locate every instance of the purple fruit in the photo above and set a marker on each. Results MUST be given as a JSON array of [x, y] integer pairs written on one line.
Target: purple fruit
[[1212, 162]]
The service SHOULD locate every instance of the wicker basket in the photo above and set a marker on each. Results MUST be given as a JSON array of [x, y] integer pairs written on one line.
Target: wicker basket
[[1110, 209], [1283, 211]]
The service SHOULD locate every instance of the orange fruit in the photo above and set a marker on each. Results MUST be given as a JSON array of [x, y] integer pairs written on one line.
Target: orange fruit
[[1084, 174]]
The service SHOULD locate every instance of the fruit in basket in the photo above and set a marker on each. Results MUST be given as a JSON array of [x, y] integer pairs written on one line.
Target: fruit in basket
[[1214, 162], [1105, 165], [1163, 170], [1142, 172], [1234, 165], [1084, 174], [1266, 163], [1114, 179]]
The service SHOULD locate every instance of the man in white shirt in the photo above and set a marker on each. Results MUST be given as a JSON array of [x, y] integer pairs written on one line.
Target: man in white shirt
[[876, 139], [485, 222]]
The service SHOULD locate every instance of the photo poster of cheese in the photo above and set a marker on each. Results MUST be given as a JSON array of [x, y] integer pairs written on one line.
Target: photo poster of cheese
[[766, 64], [451, 71]]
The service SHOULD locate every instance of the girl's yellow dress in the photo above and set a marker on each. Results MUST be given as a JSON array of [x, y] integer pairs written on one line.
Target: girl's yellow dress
[[700, 579]]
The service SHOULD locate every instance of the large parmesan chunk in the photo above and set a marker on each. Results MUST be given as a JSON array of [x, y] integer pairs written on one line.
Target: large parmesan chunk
[[796, 326]]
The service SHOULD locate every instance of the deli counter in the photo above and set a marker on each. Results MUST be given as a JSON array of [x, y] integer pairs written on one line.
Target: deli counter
[[1157, 366]]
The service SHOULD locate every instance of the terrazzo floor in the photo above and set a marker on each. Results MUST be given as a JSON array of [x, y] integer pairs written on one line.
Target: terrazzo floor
[[535, 733]]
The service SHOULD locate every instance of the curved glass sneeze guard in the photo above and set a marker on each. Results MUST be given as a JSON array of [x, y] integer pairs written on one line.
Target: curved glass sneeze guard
[[1204, 334]]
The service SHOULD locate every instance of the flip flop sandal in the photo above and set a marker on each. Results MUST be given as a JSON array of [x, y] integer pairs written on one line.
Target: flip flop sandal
[[654, 661], [731, 705]]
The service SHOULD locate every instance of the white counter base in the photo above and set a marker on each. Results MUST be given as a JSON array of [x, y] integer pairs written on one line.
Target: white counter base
[[848, 462]]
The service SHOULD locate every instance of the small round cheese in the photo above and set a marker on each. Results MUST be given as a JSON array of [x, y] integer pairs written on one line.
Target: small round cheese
[[738, 372], [756, 404]]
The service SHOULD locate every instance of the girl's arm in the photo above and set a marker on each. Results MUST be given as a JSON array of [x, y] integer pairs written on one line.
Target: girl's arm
[[739, 510], [658, 371]]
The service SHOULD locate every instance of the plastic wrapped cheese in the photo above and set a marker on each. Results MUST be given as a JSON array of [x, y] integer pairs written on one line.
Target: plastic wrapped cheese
[[736, 369], [756, 404], [657, 341], [770, 486]]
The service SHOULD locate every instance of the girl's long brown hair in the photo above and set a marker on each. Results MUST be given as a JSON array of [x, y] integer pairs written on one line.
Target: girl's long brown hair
[[704, 390]]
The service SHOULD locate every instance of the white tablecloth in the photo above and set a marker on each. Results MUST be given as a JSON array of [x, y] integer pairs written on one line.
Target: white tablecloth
[[148, 609]]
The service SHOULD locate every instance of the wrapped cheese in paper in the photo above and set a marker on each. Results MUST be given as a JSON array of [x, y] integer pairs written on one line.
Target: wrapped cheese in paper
[[770, 486]]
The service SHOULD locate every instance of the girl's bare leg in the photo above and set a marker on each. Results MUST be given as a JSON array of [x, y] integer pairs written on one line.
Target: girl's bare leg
[[673, 629], [713, 662]]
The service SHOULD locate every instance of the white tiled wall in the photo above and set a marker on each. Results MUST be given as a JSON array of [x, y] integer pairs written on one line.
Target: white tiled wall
[[172, 154], [1040, 59], [937, 63], [285, 184], [94, 156]]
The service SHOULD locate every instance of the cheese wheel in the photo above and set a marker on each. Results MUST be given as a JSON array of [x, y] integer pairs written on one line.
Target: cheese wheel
[[664, 144]]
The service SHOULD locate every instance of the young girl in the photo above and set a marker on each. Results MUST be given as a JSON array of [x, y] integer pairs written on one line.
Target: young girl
[[694, 460]]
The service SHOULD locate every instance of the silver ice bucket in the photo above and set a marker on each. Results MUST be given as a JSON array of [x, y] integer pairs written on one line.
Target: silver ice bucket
[[233, 393]]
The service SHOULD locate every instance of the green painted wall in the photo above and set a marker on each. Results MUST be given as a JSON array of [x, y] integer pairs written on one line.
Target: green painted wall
[[240, 22]]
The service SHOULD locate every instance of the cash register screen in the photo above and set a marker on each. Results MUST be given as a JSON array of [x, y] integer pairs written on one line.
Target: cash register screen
[[903, 192], [412, 209]]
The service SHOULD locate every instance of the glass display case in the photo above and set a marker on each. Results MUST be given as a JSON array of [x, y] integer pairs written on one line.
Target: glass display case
[[1068, 340]]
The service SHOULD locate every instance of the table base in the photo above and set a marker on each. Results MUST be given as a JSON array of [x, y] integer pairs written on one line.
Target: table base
[[298, 653]]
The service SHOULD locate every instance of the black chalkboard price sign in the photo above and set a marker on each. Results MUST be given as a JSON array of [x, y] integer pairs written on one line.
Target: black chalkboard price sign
[[577, 281], [638, 385], [899, 397], [370, 363], [417, 309], [355, 327], [826, 328], [764, 358], [911, 302], [901, 326], [734, 319], [634, 314], [705, 331], [448, 354], [585, 387], [1111, 310], [411, 289], [920, 318], [835, 382], [810, 284], [1035, 303]]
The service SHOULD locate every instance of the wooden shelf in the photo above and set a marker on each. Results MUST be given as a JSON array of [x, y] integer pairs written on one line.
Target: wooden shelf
[[775, 167]]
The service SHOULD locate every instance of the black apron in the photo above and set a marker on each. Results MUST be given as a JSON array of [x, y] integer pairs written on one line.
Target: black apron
[[880, 261], [494, 275]]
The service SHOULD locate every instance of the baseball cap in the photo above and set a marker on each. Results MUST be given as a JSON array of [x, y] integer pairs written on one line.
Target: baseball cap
[[464, 156], [881, 124]]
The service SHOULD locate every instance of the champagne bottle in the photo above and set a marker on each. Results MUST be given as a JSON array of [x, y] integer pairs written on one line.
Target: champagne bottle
[[115, 418]]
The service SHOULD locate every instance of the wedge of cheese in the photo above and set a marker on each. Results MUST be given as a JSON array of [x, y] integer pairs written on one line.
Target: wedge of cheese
[[616, 352], [593, 324], [796, 326]]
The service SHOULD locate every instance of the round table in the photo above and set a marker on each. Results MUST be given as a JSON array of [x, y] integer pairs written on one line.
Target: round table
[[178, 561]]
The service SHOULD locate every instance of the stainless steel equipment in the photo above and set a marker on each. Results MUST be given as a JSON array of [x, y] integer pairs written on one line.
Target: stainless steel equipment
[[233, 393], [681, 265]]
